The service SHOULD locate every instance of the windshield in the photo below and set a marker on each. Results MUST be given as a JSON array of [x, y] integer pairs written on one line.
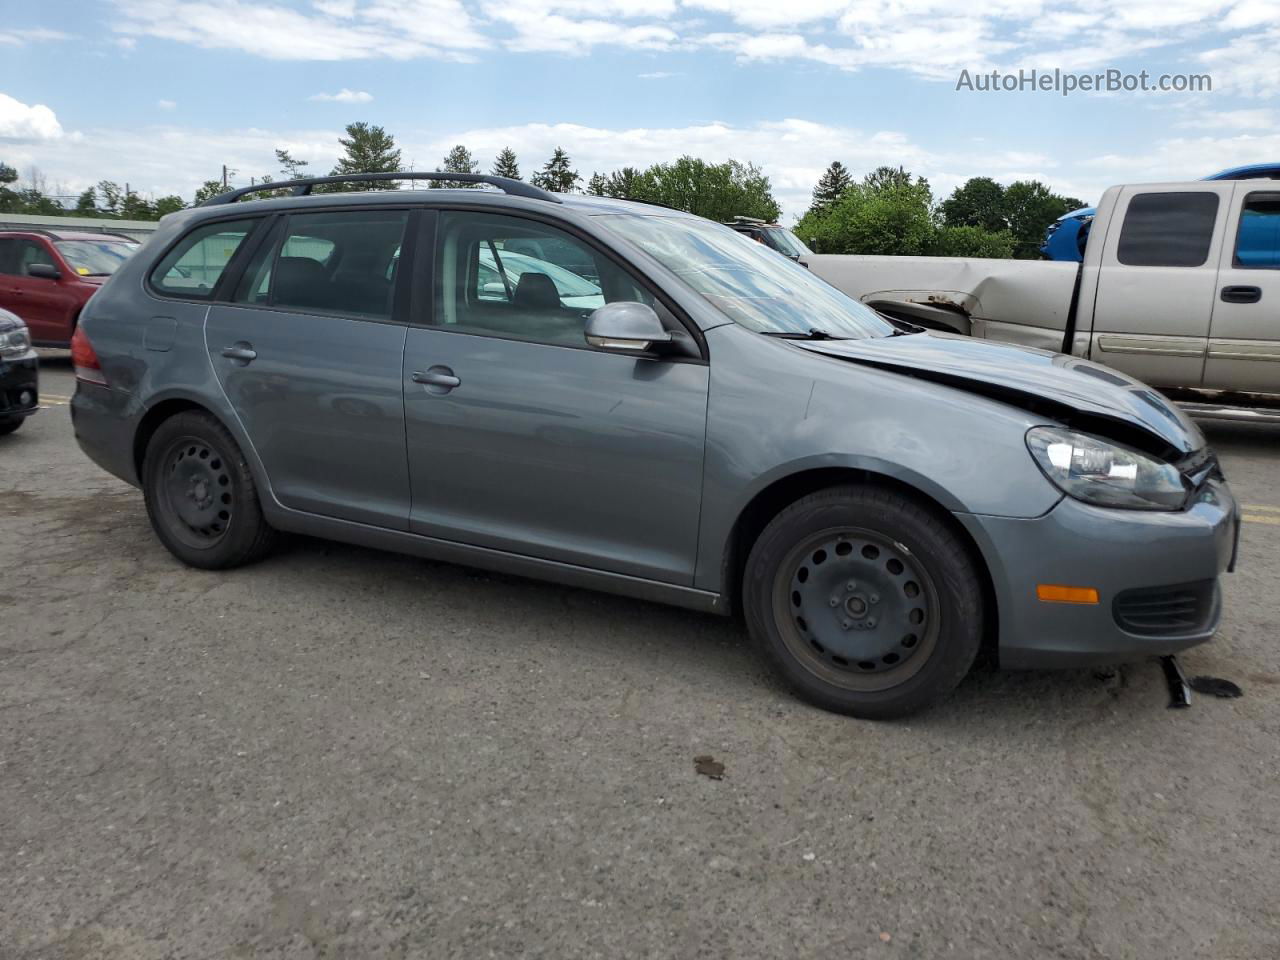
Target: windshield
[[746, 281], [789, 243], [95, 258]]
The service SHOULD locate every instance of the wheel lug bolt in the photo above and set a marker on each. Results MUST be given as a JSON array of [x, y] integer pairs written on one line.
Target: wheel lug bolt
[[851, 585], [835, 602], [874, 598], [844, 624], [871, 622]]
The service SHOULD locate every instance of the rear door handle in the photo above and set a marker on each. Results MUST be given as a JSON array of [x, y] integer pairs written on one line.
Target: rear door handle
[[241, 351], [442, 378], [1241, 294]]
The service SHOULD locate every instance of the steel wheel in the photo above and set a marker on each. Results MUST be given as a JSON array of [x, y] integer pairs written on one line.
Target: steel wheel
[[196, 492], [856, 609]]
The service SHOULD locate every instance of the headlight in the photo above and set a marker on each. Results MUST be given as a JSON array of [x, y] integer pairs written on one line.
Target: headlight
[[14, 342], [1099, 472]]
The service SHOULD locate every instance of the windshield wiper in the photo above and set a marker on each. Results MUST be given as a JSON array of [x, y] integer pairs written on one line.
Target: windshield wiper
[[813, 333]]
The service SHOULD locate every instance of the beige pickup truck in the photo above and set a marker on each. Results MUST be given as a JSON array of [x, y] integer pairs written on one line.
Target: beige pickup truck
[[1180, 287]]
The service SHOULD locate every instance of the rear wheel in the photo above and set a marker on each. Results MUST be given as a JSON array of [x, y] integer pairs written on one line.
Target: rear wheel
[[200, 495], [10, 424], [865, 601]]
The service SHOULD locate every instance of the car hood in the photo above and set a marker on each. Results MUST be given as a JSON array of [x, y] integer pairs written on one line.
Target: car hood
[[1085, 395]]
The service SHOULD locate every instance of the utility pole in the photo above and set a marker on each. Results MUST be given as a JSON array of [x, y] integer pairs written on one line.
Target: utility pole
[[224, 176]]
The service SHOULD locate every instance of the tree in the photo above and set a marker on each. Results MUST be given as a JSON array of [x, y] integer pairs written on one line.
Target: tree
[[167, 205], [87, 203], [457, 160], [971, 241], [598, 185], [206, 190], [111, 197], [831, 187], [979, 202], [1029, 208], [890, 213], [290, 167], [718, 191], [557, 176], [505, 165], [888, 178], [369, 149]]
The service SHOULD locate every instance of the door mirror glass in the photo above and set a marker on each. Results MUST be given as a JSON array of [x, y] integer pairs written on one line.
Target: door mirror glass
[[46, 271], [625, 325]]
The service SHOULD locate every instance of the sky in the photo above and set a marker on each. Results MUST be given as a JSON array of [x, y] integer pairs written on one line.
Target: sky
[[161, 93]]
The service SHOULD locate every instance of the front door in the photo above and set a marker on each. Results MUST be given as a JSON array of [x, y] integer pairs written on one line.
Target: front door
[[309, 353], [1244, 339], [1158, 281], [41, 302], [524, 439]]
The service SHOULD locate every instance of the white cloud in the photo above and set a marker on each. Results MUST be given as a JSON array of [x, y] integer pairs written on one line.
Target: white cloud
[[167, 104], [658, 75], [343, 96], [21, 37], [22, 123]]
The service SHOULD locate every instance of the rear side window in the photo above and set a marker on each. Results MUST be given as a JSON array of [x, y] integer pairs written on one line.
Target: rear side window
[[192, 268], [18, 253], [1168, 230], [1258, 239], [337, 262]]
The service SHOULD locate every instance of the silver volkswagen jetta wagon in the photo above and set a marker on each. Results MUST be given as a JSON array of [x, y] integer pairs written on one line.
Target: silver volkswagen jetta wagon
[[629, 398]]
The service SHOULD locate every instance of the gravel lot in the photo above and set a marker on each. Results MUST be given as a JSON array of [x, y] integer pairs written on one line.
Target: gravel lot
[[342, 753]]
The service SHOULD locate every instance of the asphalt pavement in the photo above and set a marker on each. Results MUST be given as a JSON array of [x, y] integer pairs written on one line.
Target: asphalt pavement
[[340, 753]]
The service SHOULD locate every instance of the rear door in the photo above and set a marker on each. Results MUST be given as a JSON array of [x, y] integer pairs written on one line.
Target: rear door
[[308, 351], [523, 438], [1157, 281], [1244, 340]]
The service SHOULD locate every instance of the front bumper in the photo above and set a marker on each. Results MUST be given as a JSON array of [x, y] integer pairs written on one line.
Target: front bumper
[[19, 386], [1139, 562]]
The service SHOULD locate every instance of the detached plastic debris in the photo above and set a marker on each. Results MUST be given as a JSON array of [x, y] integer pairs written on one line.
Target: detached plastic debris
[[708, 766], [1216, 687], [1179, 689]]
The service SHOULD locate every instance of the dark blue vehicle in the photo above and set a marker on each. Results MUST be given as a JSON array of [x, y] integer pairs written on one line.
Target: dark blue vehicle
[[1066, 237]]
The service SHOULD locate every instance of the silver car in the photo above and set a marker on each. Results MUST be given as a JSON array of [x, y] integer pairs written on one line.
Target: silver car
[[662, 409]]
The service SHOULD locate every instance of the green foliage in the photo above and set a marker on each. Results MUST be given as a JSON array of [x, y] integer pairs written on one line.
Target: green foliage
[[889, 214], [87, 203], [558, 175], [978, 203], [831, 187], [457, 160], [290, 167], [505, 165], [717, 191], [206, 190], [368, 149], [598, 185], [1029, 208], [167, 205], [968, 241]]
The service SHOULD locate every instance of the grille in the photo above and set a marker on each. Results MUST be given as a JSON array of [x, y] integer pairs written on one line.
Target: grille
[[1166, 611]]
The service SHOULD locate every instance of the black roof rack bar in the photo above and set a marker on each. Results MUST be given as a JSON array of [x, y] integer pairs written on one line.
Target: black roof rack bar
[[301, 188]]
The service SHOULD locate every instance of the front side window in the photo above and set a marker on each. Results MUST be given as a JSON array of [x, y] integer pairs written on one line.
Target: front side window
[[95, 258], [524, 280], [1258, 239], [335, 262], [1168, 230], [192, 268], [746, 281]]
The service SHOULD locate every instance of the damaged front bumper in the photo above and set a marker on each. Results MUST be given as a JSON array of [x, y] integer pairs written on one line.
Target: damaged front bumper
[[1155, 573]]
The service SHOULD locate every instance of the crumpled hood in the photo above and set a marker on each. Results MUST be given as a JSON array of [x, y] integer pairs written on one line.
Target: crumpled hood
[[1021, 376]]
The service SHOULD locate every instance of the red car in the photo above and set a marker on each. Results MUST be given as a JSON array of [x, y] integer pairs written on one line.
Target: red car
[[47, 276]]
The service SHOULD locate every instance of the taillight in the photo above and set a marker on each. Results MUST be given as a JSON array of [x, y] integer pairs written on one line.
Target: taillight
[[85, 361]]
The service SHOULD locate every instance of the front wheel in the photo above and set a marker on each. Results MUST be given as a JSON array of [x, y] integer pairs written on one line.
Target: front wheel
[[865, 601], [200, 495]]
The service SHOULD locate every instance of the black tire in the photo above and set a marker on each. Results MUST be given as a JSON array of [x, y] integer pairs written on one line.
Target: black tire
[[11, 424], [865, 601], [200, 495]]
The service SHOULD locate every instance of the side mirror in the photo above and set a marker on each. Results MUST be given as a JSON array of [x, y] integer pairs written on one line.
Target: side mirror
[[46, 271], [625, 326]]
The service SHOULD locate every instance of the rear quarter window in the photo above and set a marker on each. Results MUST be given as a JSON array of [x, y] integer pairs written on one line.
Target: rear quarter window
[[1168, 230], [192, 267]]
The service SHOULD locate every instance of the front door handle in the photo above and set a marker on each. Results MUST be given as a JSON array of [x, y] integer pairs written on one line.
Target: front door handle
[[242, 352], [1241, 294], [436, 379]]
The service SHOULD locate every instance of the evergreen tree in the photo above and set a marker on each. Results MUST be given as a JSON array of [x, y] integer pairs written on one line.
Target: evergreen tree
[[457, 160], [291, 168], [625, 184], [87, 203], [557, 176], [831, 187], [598, 185], [369, 149], [505, 165]]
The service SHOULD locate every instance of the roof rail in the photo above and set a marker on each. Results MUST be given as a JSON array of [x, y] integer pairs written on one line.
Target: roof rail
[[302, 188], [53, 234]]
